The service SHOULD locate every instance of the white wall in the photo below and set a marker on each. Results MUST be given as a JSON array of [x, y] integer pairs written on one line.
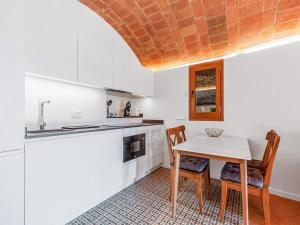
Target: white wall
[[261, 92]]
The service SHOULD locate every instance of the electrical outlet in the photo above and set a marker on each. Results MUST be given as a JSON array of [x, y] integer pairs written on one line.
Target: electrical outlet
[[76, 114]]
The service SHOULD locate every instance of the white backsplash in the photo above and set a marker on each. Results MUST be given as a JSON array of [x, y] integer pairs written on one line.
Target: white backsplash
[[70, 104], [119, 101]]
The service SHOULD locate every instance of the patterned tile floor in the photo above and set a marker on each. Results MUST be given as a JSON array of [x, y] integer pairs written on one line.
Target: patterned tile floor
[[146, 202]]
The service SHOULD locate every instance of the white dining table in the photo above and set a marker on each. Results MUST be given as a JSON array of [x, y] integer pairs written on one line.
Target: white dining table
[[225, 148]]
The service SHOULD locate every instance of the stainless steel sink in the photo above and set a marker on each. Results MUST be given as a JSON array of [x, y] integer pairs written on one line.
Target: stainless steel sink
[[47, 131]]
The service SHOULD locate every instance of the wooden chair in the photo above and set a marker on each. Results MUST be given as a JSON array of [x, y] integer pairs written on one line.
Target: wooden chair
[[190, 167], [259, 176]]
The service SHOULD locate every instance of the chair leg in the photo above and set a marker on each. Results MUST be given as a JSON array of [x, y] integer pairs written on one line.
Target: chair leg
[[208, 172], [266, 205], [199, 191], [224, 195], [207, 183], [180, 183], [171, 184]]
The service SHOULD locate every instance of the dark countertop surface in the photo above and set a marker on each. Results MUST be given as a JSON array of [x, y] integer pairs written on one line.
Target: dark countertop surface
[[93, 128]]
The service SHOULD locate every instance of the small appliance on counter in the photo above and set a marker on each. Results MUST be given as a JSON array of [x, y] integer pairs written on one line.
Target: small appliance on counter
[[127, 109], [108, 103]]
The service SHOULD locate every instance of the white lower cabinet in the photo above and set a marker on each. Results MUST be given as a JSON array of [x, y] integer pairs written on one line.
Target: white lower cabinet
[[12, 188], [140, 167], [67, 176], [156, 148]]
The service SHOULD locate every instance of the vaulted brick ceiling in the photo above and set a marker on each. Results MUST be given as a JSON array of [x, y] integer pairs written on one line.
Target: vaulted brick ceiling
[[167, 33]]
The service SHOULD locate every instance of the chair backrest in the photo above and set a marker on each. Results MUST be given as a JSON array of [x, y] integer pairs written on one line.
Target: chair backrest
[[175, 136], [269, 156]]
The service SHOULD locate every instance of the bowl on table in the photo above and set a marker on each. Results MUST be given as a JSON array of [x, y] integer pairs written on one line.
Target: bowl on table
[[213, 132]]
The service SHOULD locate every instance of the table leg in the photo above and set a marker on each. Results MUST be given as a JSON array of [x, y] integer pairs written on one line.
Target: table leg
[[244, 185], [175, 180]]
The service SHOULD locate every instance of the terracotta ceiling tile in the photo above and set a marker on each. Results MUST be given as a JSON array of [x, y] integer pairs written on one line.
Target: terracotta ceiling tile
[[156, 17], [189, 30], [287, 4], [140, 32], [244, 31], [215, 11], [164, 33], [220, 38], [197, 9], [179, 4], [149, 29], [201, 23], [288, 25], [219, 46], [290, 14], [270, 4], [251, 19], [193, 46], [159, 25], [144, 39], [123, 13], [191, 38], [186, 22], [211, 3], [151, 10], [144, 3], [183, 13], [231, 3], [170, 20], [243, 3], [130, 19], [268, 18], [217, 29], [216, 21], [232, 15], [233, 35], [250, 9]]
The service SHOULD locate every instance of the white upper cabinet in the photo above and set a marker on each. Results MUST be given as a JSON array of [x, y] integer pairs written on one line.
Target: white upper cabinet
[[52, 52], [148, 82], [95, 63], [123, 73], [144, 82]]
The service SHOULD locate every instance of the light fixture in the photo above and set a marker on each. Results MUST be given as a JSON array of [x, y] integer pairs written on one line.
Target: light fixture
[[272, 44], [62, 80], [267, 45]]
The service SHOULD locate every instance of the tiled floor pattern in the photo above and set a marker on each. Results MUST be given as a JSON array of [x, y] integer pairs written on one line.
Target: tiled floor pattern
[[146, 202]]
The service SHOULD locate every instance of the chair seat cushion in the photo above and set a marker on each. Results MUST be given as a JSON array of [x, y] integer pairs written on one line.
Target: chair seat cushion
[[231, 171], [193, 164]]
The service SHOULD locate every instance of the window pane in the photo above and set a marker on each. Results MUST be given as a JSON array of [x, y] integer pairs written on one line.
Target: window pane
[[206, 90]]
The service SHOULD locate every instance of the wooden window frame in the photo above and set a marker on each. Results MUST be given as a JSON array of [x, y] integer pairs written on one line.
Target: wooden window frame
[[207, 116]]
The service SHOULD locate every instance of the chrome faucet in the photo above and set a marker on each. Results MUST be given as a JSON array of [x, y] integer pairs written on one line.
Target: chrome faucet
[[42, 122]]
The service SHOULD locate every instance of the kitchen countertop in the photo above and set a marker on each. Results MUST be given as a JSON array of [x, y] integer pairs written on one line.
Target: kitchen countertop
[[60, 131]]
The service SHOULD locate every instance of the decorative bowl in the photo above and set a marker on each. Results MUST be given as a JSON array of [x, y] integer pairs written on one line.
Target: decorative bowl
[[213, 132]]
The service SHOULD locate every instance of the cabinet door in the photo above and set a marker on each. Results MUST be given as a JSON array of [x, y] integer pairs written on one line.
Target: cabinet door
[[144, 81], [124, 73], [94, 63], [148, 82], [12, 75], [69, 175], [51, 52], [12, 188]]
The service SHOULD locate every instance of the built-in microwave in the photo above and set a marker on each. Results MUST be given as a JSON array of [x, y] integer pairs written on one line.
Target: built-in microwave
[[134, 146]]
